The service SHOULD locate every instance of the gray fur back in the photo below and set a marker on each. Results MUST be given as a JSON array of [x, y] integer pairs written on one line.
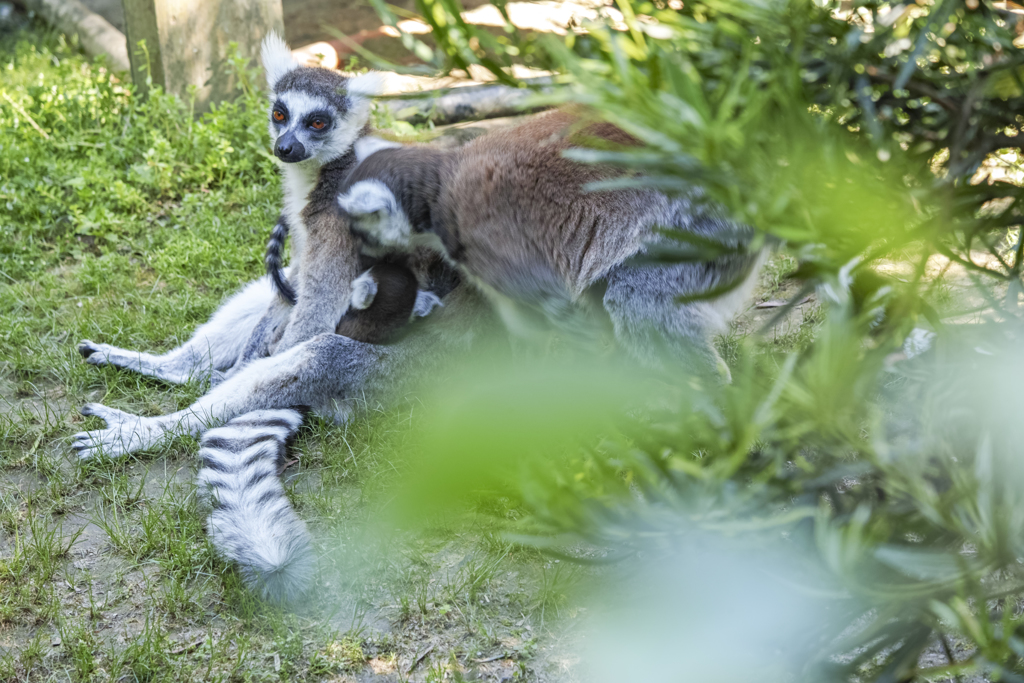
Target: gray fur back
[[673, 303], [251, 522]]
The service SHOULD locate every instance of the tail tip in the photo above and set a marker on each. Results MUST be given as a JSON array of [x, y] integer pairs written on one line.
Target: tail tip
[[285, 584], [281, 569]]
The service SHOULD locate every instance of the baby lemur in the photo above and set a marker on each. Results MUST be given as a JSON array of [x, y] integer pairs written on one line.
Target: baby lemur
[[387, 296]]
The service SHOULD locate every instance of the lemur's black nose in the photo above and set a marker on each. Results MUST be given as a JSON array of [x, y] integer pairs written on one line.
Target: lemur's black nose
[[289, 150]]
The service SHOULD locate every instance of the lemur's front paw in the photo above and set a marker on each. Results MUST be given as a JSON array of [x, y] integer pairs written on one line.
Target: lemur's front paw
[[364, 289], [124, 433]]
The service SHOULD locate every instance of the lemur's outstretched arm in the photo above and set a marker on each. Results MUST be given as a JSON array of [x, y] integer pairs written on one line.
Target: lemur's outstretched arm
[[325, 373]]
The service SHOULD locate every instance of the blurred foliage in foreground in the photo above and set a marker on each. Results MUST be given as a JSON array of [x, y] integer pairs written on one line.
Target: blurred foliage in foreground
[[835, 514]]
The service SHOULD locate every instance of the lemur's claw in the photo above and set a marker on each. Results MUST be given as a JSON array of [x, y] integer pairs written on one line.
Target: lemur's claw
[[87, 348], [123, 433], [94, 409], [93, 353]]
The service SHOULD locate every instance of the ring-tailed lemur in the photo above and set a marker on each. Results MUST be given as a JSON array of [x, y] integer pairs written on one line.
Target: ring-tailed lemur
[[319, 124], [316, 116], [514, 214], [325, 120]]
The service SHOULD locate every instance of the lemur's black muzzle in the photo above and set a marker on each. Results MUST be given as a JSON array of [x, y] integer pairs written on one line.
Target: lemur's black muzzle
[[289, 150]]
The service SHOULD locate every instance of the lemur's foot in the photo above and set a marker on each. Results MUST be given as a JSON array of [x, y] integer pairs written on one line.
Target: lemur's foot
[[425, 303], [124, 433], [93, 353], [364, 289]]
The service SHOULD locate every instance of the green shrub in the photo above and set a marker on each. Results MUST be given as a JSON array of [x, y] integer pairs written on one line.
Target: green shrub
[[877, 145]]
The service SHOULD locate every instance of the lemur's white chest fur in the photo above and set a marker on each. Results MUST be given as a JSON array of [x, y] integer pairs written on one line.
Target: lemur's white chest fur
[[298, 181]]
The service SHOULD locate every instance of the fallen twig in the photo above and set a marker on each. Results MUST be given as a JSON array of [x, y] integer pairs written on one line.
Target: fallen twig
[[776, 303], [491, 659], [187, 647], [469, 103], [21, 110], [420, 658]]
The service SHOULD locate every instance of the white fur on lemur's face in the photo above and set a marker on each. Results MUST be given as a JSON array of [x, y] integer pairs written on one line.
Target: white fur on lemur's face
[[315, 114]]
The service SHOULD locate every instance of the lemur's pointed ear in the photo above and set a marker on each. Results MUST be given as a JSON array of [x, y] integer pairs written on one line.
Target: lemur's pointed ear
[[369, 84], [277, 59]]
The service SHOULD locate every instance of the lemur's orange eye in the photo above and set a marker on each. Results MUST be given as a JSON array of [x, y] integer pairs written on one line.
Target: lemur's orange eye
[[278, 115], [317, 124]]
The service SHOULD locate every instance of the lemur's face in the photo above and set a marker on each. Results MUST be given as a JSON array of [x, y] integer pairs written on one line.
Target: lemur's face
[[304, 126], [315, 114]]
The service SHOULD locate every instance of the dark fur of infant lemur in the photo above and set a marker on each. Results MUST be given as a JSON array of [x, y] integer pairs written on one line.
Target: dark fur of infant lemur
[[391, 309]]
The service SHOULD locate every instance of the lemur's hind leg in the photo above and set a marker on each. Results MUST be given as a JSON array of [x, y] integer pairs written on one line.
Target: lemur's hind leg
[[325, 373], [264, 337], [308, 374], [653, 327], [216, 345]]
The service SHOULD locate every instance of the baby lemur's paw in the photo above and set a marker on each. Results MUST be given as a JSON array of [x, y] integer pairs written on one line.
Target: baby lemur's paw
[[369, 198], [375, 214], [364, 289], [425, 303]]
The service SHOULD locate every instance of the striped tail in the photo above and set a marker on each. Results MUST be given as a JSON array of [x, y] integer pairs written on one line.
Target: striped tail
[[274, 261], [251, 521]]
